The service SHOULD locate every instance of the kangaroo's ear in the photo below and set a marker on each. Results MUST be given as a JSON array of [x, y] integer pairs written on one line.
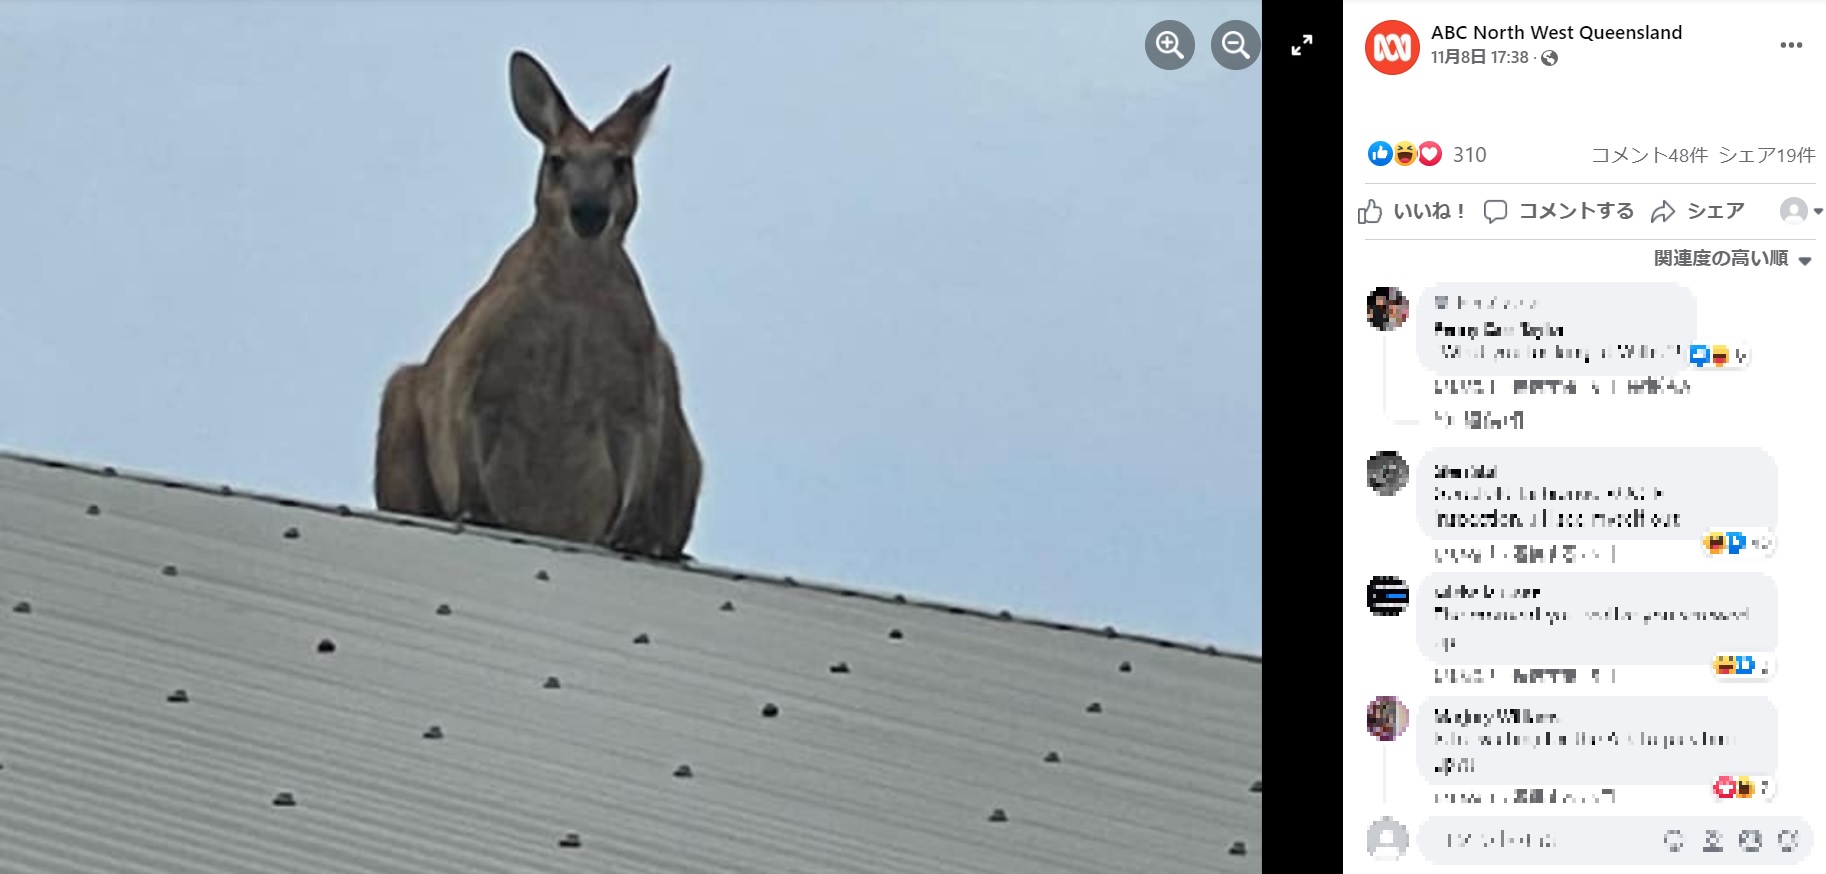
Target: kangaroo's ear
[[536, 100], [630, 120]]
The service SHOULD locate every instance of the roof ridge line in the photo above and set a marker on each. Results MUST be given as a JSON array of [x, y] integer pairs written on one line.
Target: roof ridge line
[[688, 566]]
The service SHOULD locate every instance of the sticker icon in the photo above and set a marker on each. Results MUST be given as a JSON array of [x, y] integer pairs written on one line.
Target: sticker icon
[[1430, 153], [1380, 153], [1392, 47]]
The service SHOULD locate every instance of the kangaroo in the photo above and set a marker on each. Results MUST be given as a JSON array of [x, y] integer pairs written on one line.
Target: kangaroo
[[550, 405]]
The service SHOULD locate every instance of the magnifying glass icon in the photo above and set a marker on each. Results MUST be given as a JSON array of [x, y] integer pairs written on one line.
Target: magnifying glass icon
[[1233, 43], [1168, 43]]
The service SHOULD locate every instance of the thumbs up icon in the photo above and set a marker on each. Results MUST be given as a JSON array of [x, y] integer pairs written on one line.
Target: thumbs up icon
[[1380, 154], [1369, 215]]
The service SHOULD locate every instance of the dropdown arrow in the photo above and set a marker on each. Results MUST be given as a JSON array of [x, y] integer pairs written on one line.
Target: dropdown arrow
[[1805, 259], [1816, 210]]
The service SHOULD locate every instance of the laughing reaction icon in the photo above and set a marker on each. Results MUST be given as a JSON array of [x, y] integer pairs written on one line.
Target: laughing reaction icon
[[1404, 153]]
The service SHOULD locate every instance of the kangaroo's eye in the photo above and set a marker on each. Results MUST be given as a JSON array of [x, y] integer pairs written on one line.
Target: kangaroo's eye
[[554, 164], [623, 165]]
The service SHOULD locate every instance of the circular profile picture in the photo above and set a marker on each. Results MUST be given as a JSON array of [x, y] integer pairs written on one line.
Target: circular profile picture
[[1387, 473], [1388, 840], [1794, 210], [1388, 596], [1388, 718], [1388, 310]]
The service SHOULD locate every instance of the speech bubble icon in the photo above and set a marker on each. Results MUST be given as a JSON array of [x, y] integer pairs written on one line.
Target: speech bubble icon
[[1496, 210]]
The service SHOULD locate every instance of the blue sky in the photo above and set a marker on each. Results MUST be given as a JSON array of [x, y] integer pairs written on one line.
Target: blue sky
[[965, 296]]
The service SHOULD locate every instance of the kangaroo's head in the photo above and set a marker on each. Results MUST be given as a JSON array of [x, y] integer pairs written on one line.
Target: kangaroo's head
[[586, 181]]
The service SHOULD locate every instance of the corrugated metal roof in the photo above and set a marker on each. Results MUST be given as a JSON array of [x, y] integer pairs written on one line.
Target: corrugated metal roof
[[173, 658]]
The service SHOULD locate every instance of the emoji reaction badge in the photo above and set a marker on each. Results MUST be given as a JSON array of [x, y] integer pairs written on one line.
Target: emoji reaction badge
[[1720, 355], [1715, 542], [1430, 153], [1404, 153], [1724, 665]]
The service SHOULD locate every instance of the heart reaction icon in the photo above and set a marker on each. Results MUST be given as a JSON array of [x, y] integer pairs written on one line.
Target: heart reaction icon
[[1430, 153]]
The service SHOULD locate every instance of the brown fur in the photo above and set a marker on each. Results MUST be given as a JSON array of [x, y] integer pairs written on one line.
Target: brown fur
[[550, 404]]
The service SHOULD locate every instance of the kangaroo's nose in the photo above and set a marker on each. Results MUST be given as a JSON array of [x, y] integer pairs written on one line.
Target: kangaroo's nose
[[588, 219]]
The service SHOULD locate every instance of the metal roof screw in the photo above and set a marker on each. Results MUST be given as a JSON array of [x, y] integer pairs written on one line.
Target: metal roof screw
[[900, 599], [728, 607], [1210, 650], [434, 733], [789, 581], [738, 576], [682, 772], [94, 510], [342, 509], [840, 668], [1256, 787], [110, 471], [225, 490], [1094, 708], [1125, 667], [542, 576], [570, 841], [894, 634], [284, 799], [642, 638], [770, 710], [551, 682], [170, 570], [1110, 631], [1237, 849], [998, 815], [22, 607], [443, 609], [326, 646], [291, 534], [178, 696], [1052, 758]]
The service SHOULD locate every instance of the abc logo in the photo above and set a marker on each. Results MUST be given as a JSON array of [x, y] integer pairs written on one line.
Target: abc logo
[[1392, 47]]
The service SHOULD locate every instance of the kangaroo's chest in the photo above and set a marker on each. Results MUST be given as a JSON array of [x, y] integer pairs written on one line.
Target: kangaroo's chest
[[578, 355]]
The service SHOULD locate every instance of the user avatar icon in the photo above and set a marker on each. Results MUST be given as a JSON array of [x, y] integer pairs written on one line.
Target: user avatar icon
[[1388, 718], [1387, 473], [1388, 309], [1388, 840], [1794, 210], [1388, 596]]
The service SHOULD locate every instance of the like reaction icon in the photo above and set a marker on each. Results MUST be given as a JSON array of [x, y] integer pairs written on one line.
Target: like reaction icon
[[1370, 214], [1380, 154]]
